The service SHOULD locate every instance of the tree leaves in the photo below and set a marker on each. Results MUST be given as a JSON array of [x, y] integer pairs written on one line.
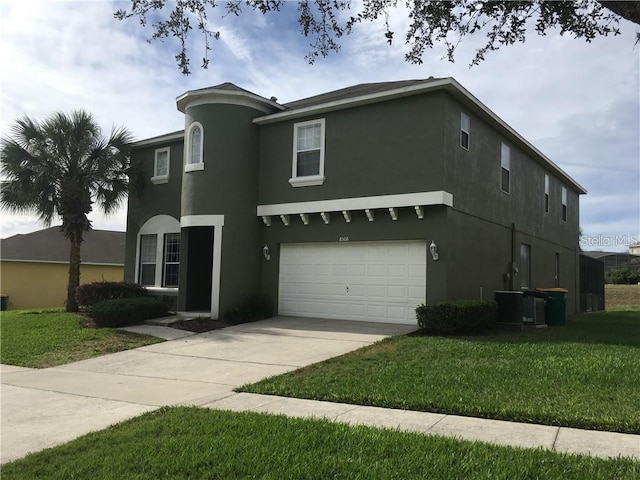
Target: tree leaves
[[431, 22]]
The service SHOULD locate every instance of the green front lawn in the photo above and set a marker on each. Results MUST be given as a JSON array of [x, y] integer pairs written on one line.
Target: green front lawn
[[585, 374], [46, 338], [191, 443]]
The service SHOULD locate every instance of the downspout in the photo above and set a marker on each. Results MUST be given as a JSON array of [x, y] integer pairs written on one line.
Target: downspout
[[514, 268]]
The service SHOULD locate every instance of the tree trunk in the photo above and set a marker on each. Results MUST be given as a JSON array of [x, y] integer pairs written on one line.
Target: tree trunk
[[74, 274]]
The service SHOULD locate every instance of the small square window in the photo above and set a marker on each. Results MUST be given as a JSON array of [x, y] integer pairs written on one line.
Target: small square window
[[161, 166], [465, 124]]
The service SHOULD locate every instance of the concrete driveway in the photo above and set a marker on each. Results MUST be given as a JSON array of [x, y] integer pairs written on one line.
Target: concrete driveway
[[46, 407]]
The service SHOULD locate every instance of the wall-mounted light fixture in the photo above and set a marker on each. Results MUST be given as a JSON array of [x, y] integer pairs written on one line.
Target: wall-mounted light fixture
[[434, 250], [265, 252]]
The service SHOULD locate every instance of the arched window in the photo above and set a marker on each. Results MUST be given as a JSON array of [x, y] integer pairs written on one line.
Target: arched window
[[194, 155], [158, 253]]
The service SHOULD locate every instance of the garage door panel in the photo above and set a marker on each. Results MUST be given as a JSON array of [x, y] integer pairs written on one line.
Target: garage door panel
[[385, 280]]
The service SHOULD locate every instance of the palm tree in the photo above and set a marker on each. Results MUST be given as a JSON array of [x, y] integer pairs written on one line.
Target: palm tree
[[61, 167]]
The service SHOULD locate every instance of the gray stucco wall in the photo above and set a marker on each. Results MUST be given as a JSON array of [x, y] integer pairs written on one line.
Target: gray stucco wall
[[484, 214], [383, 228], [162, 199], [378, 149], [402, 146], [227, 186]]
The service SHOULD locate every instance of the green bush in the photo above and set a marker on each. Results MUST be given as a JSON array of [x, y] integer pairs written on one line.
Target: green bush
[[122, 312], [251, 309], [459, 317], [624, 276], [91, 293]]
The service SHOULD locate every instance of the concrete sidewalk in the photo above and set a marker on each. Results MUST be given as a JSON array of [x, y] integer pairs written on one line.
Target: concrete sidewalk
[[47, 407], [526, 435]]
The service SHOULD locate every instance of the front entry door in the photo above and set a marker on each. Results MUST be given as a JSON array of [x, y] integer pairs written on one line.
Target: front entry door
[[199, 268]]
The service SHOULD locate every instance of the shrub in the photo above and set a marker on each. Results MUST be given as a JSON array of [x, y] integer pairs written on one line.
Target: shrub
[[457, 317], [89, 294], [624, 276], [122, 312], [251, 309]]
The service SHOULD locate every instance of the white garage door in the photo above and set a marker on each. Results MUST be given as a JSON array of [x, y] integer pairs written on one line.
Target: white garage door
[[367, 281]]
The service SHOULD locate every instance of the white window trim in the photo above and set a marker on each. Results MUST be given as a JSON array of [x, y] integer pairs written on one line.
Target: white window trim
[[158, 225], [309, 180], [192, 167], [165, 262], [505, 164], [158, 179], [547, 198], [564, 212], [467, 131]]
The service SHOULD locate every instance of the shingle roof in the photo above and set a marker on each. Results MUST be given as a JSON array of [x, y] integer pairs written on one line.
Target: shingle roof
[[354, 91], [50, 245]]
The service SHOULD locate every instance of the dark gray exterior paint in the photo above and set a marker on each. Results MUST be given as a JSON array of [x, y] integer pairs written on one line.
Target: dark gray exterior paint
[[405, 144]]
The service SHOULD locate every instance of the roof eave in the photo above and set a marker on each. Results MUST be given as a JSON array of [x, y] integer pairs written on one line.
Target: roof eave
[[168, 137], [218, 95], [449, 84]]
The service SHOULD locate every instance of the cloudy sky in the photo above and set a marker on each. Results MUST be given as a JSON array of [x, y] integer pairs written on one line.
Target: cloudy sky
[[577, 102]]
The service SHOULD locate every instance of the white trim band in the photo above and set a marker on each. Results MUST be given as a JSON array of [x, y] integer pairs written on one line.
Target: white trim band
[[202, 221], [358, 203]]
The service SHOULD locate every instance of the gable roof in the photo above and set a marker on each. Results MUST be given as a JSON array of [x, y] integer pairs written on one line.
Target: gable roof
[[100, 247], [368, 93], [352, 92], [349, 97]]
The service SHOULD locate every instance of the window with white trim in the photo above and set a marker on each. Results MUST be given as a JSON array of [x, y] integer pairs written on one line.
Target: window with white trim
[[505, 170], [171, 260], [194, 156], [546, 193], [564, 204], [465, 128], [161, 166], [308, 153], [148, 250]]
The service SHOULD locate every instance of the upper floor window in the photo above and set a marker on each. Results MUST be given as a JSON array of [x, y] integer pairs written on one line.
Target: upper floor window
[[546, 193], [308, 154], [564, 204], [465, 128], [505, 164], [194, 153], [161, 166]]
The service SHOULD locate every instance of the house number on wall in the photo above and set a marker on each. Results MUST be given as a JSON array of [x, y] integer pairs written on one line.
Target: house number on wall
[[343, 239]]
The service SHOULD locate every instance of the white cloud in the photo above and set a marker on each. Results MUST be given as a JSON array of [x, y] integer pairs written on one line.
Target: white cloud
[[577, 102]]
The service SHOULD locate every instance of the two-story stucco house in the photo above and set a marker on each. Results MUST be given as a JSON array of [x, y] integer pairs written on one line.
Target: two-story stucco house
[[356, 204]]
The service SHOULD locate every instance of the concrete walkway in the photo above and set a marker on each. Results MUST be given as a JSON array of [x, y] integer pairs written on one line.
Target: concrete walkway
[[47, 407]]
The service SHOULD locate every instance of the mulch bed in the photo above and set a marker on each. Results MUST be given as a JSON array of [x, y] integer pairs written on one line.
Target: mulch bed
[[198, 325]]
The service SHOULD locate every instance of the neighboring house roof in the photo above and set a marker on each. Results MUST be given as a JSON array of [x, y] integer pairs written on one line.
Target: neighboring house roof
[[101, 247]]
